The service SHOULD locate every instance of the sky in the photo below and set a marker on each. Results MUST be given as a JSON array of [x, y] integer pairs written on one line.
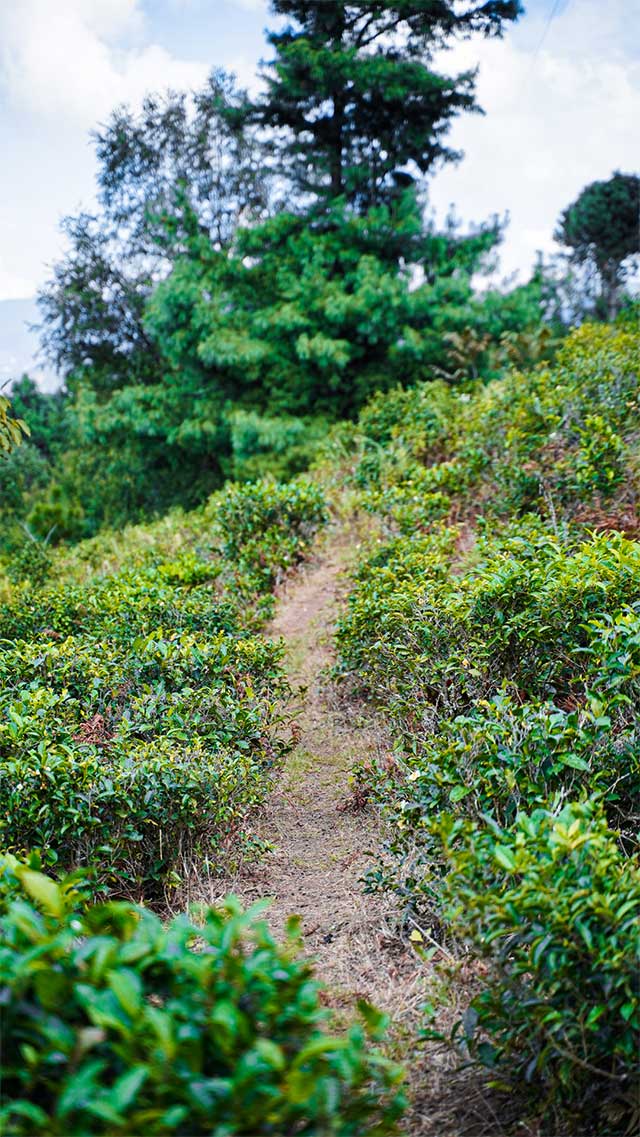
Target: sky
[[561, 94]]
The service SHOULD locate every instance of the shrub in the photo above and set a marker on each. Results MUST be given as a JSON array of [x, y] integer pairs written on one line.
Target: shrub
[[115, 1023], [552, 905], [548, 440], [139, 722], [137, 759], [504, 651], [520, 607], [265, 513], [131, 603]]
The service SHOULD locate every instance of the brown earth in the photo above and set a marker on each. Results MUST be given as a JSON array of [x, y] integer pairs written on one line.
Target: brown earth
[[318, 850], [318, 844]]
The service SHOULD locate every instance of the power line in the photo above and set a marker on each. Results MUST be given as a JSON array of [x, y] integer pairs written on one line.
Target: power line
[[550, 18], [555, 7]]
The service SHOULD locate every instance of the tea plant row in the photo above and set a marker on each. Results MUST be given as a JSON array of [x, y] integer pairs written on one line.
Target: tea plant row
[[497, 622]]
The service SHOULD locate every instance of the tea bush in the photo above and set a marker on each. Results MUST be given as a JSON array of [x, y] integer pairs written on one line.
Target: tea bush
[[554, 439], [552, 905], [141, 717], [247, 513], [114, 1022], [500, 635], [136, 759], [520, 607], [130, 603]]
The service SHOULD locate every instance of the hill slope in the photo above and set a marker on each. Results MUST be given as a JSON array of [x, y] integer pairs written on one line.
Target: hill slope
[[492, 625]]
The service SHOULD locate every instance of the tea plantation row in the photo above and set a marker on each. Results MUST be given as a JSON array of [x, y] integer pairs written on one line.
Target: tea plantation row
[[496, 621], [142, 711], [143, 715]]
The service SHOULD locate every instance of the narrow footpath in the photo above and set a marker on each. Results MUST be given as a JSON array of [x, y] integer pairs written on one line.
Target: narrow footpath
[[319, 845], [319, 850]]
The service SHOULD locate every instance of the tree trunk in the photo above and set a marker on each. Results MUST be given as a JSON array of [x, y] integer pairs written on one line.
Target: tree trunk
[[335, 158]]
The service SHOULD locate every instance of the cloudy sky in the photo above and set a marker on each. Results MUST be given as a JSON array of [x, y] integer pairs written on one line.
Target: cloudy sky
[[561, 94]]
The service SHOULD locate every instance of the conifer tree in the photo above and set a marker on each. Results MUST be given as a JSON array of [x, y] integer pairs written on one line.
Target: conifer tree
[[354, 95]]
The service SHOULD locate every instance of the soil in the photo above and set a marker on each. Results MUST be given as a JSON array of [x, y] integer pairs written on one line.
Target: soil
[[319, 844], [319, 849]]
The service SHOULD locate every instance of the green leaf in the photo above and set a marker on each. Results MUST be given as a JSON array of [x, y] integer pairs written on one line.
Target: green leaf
[[574, 761], [127, 988], [505, 857], [43, 890], [458, 792], [271, 1053], [126, 1087]]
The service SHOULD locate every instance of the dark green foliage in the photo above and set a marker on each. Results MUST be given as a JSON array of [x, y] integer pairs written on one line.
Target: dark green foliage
[[507, 660], [140, 718], [353, 97], [114, 1022], [92, 309], [311, 318], [247, 513], [277, 447], [602, 230], [553, 907]]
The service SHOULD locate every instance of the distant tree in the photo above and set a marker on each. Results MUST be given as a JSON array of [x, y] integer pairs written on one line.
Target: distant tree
[[353, 96], [602, 230], [92, 308], [182, 165]]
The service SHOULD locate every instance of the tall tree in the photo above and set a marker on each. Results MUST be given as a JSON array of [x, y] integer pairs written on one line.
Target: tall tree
[[311, 318], [181, 166], [602, 230], [353, 94]]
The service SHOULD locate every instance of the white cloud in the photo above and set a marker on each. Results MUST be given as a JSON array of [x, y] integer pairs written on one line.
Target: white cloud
[[64, 66], [77, 59], [556, 120], [13, 286]]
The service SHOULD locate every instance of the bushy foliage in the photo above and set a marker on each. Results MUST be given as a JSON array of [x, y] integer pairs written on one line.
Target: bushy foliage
[[139, 759], [114, 1022], [264, 446], [520, 607], [562, 441], [141, 714], [12, 429], [267, 528], [505, 652], [552, 905]]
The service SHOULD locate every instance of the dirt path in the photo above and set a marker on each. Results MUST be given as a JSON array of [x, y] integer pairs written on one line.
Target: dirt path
[[318, 854], [319, 850]]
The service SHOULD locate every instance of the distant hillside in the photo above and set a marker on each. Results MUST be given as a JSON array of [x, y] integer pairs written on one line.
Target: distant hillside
[[19, 345]]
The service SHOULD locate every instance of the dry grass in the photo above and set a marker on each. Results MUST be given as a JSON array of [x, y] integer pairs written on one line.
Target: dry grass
[[319, 840]]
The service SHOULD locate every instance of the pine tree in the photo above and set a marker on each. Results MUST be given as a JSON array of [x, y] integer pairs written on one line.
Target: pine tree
[[358, 107]]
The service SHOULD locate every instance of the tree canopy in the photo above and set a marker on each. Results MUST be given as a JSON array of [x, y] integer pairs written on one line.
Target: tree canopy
[[602, 230], [353, 95], [182, 166]]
